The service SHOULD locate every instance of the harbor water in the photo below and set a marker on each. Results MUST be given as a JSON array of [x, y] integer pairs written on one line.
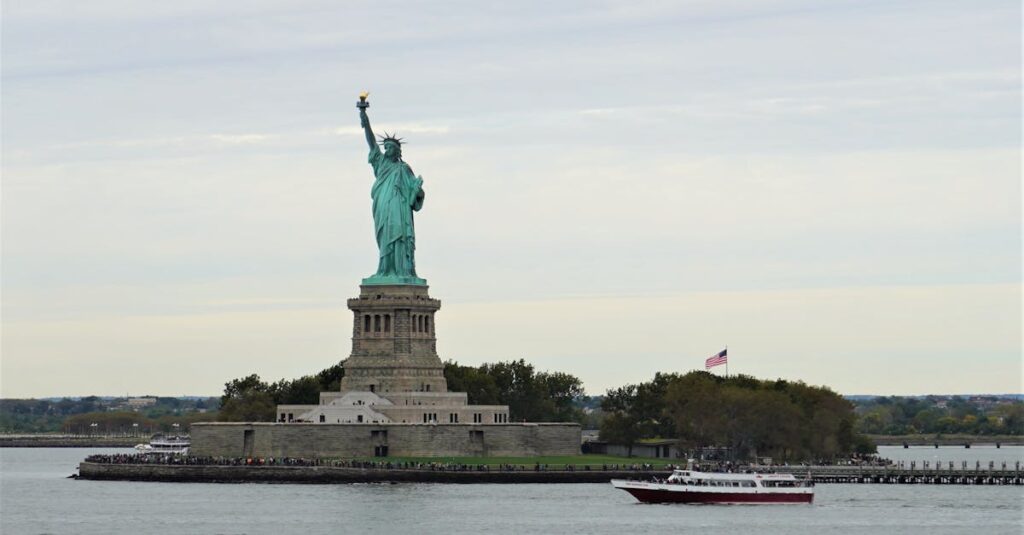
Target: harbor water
[[37, 497]]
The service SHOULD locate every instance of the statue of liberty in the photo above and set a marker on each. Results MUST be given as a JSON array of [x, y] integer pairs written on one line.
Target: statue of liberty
[[396, 193]]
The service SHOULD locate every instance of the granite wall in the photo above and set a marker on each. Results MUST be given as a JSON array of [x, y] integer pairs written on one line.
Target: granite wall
[[368, 440]]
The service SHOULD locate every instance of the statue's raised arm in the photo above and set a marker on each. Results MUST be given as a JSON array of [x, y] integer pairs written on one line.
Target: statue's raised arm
[[365, 120], [396, 193]]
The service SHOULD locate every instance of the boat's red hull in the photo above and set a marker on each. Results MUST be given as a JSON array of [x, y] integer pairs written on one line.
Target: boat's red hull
[[666, 496]]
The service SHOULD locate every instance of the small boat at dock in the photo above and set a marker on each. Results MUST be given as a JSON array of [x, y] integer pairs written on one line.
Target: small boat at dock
[[161, 443], [691, 486]]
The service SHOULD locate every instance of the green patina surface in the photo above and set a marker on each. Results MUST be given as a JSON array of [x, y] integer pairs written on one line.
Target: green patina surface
[[397, 192], [380, 280]]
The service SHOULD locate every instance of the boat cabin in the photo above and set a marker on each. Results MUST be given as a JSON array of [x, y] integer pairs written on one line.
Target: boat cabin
[[714, 479]]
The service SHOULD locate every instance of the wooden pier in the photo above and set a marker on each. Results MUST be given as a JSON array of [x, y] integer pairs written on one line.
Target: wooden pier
[[911, 473]]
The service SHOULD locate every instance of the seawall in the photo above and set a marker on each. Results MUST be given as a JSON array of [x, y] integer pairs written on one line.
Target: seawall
[[332, 474], [335, 474]]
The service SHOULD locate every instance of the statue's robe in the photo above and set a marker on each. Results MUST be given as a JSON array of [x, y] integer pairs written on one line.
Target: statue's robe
[[396, 193]]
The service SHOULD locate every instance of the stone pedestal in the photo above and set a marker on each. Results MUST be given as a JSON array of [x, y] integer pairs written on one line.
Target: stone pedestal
[[394, 344]]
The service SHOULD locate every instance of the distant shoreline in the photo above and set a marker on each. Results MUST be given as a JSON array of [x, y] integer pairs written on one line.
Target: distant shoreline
[[946, 440], [85, 441], [69, 441]]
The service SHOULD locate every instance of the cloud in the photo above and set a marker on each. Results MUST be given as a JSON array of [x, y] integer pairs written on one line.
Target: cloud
[[189, 160], [822, 336], [412, 128], [241, 139]]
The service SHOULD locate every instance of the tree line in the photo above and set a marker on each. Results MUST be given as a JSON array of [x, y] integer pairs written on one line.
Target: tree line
[[64, 415], [981, 415], [740, 416], [132, 423], [251, 399], [530, 395]]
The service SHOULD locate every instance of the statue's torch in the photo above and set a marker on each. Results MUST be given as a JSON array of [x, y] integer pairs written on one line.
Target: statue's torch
[[363, 104]]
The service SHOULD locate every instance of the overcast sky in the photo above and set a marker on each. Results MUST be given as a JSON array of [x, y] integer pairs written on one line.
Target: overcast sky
[[830, 188]]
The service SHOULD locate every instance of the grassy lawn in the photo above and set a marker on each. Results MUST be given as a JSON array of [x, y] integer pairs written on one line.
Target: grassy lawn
[[595, 461]]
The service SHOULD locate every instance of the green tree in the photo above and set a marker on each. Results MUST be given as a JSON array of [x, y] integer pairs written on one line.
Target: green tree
[[480, 388], [236, 388], [106, 422], [564, 391], [330, 378], [248, 406], [947, 424], [695, 408], [620, 428], [248, 399], [301, 391], [1011, 417], [875, 421], [750, 417], [530, 395]]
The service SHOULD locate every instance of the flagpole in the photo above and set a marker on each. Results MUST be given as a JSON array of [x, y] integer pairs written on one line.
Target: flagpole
[[726, 361]]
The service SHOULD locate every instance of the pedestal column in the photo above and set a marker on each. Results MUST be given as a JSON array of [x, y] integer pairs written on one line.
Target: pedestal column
[[394, 348]]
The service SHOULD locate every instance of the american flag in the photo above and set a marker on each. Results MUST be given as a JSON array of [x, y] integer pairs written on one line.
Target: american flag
[[717, 359]]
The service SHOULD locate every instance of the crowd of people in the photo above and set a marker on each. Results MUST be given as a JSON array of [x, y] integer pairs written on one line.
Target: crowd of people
[[175, 459], [171, 459]]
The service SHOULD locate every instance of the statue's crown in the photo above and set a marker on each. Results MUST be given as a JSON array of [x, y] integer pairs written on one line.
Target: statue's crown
[[390, 137]]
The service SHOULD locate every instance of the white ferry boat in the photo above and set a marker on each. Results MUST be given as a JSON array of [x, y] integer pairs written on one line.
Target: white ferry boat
[[160, 443], [689, 486]]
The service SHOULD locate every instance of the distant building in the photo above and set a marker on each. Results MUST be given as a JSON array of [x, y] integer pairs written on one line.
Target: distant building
[[135, 404], [648, 448]]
